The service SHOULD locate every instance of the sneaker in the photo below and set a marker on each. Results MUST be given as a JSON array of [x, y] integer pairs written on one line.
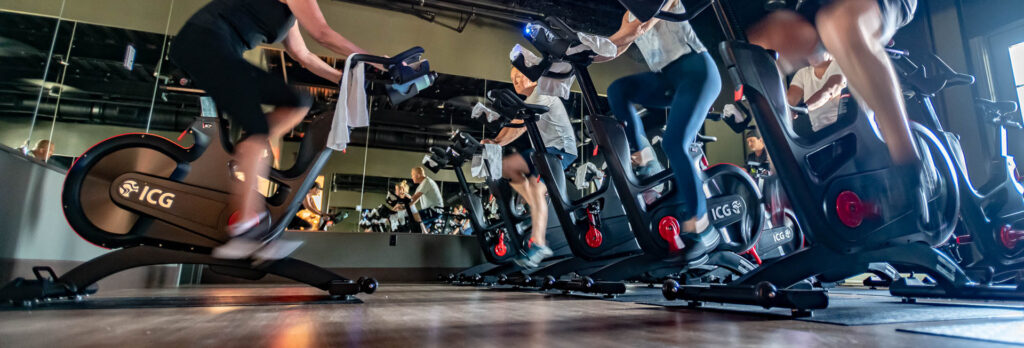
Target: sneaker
[[917, 183], [249, 237], [645, 171], [534, 256], [649, 169], [276, 249], [697, 245]]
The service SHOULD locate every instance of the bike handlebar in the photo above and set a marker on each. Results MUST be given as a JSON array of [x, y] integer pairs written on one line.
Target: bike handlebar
[[644, 10], [403, 67]]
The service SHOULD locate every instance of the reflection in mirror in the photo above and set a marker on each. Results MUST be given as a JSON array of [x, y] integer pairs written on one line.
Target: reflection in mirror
[[28, 44], [100, 83]]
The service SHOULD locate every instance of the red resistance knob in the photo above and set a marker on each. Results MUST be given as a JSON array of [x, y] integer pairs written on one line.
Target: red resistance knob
[[965, 239], [501, 249], [593, 236], [669, 230], [1010, 236], [1017, 175], [851, 210]]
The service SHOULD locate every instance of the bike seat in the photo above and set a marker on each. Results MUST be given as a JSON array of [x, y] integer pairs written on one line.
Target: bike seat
[[999, 107]]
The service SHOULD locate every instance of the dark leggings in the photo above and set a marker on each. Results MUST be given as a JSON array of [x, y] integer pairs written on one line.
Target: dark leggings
[[688, 86], [212, 57]]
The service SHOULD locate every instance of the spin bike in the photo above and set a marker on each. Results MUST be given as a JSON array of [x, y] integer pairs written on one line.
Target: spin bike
[[734, 201], [155, 202], [503, 239], [989, 241], [843, 187], [594, 225]]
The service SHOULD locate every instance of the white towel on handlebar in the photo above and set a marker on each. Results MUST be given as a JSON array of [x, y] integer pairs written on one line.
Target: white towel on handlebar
[[561, 88], [546, 85], [601, 45], [351, 111], [487, 164], [481, 109], [730, 111], [581, 176], [429, 162]]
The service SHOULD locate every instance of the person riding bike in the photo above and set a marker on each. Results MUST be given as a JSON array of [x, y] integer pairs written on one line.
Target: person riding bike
[[855, 33], [683, 78], [209, 48], [557, 134]]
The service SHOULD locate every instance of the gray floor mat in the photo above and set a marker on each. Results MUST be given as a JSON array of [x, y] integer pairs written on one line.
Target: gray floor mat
[[874, 310], [1011, 332]]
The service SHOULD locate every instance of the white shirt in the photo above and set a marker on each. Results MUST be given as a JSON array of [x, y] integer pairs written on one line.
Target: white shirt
[[805, 79], [555, 128], [431, 195], [667, 41]]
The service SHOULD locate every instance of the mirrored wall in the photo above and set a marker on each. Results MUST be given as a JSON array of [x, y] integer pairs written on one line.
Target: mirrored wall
[[69, 84]]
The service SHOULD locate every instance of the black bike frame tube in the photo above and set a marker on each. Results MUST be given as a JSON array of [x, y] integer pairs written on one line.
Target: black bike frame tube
[[724, 21], [586, 84]]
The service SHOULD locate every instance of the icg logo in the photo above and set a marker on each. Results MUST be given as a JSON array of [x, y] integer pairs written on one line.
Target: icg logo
[[727, 210], [152, 196], [128, 187]]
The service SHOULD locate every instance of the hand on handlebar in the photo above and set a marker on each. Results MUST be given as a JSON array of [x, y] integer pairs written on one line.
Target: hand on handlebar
[[488, 141]]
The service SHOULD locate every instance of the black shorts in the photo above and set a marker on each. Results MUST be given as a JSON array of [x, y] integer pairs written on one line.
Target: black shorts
[[212, 57], [895, 14], [426, 215]]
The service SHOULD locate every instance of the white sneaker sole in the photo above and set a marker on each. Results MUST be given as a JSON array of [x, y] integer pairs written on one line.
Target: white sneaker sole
[[237, 249], [277, 249]]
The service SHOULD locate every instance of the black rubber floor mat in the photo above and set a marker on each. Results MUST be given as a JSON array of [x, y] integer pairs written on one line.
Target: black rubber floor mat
[[180, 302], [874, 310], [1002, 331]]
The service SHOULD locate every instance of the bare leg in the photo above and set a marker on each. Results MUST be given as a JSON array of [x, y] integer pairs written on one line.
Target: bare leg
[[851, 31], [514, 169], [538, 210], [283, 119], [251, 161]]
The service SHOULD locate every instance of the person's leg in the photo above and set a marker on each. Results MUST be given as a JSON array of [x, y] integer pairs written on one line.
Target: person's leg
[[285, 118], [517, 171], [697, 86], [852, 31], [645, 89], [418, 219], [245, 109]]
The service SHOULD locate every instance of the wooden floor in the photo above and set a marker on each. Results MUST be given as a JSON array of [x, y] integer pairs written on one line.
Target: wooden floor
[[431, 316]]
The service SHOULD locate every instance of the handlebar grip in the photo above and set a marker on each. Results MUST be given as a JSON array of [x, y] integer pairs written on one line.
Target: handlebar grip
[[532, 72], [1006, 106], [960, 80], [685, 16]]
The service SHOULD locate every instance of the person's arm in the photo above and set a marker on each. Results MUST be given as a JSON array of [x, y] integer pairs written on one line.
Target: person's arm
[[833, 87], [506, 135], [309, 16], [296, 48], [628, 32], [794, 95]]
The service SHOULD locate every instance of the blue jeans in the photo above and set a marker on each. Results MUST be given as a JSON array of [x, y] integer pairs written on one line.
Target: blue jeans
[[688, 87]]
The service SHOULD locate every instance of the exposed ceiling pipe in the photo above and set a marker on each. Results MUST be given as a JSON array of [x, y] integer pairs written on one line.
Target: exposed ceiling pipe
[[499, 7], [511, 14]]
